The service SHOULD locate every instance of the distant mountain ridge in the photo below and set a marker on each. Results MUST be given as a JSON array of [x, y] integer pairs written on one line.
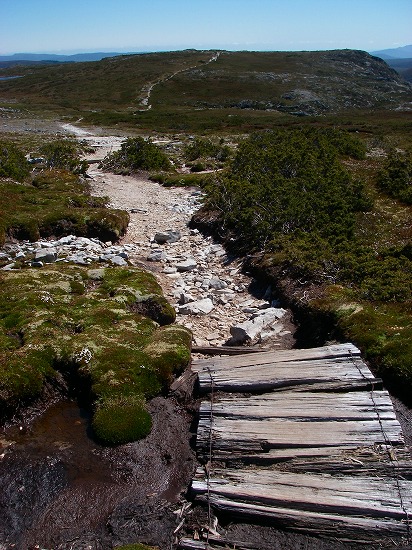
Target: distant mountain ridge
[[171, 87], [395, 53], [93, 56]]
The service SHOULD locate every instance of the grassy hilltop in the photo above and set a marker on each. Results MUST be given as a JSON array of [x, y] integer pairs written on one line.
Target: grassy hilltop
[[207, 90]]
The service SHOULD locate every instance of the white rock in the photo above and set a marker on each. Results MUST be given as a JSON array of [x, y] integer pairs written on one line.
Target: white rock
[[258, 327], [199, 307], [187, 265]]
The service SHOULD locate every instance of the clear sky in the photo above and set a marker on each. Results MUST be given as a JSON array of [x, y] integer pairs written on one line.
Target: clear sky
[[71, 26]]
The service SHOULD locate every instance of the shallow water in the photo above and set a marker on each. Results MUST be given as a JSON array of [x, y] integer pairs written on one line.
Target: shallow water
[[57, 485]]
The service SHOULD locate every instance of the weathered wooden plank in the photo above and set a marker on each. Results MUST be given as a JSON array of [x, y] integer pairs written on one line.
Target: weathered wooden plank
[[313, 522], [227, 350], [324, 352], [310, 406], [349, 495], [268, 376], [238, 435]]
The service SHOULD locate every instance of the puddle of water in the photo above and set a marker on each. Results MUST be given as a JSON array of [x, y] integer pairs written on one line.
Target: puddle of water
[[63, 432]]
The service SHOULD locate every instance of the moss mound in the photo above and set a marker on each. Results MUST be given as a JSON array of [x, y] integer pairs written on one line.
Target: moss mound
[[84, 323], [57, 203], [121, 419]]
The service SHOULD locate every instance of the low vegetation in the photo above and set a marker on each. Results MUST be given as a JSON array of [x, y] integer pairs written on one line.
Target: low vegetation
[[307, 207], [64, 154], [83, 324], [136, 154], [13, 163], [53, 202]]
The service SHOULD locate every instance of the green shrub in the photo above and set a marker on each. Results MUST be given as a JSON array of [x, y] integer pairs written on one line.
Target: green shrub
[[395, 178], [182, 180], [137, 154], [287, 183], [206, 148], [13, 163], [64, 154]]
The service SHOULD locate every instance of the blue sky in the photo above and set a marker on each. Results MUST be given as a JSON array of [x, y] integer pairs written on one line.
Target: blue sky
[[69, 26]]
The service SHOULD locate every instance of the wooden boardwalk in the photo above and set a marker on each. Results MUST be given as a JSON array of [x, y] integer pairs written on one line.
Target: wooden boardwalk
[[304, 439]]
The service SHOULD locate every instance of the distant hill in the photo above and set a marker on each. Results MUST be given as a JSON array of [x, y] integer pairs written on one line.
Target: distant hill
[[216, 88], [395, 53], [402, 66], [80, 57]]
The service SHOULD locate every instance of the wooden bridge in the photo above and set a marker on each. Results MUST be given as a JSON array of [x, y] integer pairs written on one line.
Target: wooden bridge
[[303, 439]]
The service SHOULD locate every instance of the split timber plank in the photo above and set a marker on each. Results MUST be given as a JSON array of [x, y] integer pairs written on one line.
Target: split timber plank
[[349, 495], [227, 350], [259, 435], [311, 460], [307, 406], [325, 352], [275, 370], [269, 376], [333, 525]]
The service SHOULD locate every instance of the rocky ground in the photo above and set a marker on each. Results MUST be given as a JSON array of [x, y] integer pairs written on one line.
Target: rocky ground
[[211, 295]]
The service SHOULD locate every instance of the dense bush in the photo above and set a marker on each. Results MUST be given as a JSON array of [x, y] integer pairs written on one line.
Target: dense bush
[[287, 183], [64, 154], [13, 163], [206, 148], [137, 154], [395, 178]]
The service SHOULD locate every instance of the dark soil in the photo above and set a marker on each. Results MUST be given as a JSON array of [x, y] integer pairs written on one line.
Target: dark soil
[[61, 490]]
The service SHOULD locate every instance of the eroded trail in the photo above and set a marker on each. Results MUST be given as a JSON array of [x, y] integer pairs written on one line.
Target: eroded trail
[[211, 295]]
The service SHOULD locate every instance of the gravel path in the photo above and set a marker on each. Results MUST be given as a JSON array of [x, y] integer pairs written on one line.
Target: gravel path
[[155, 209]]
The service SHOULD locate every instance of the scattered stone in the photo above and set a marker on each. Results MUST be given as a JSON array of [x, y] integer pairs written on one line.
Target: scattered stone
[[200, 307], [256, 328], [170, 270], [47, 255], [117, 260], [187, 265], [168, 236], [186, 298], [217, 284], [156, 255]]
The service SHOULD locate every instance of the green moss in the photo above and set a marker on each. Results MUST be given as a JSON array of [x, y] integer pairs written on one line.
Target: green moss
[[382, 330], [136, 546], [121, 419], [80, 322], [57, 203], [170, 351]]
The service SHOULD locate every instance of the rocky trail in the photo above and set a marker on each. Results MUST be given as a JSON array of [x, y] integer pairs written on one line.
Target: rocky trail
[[211, 295]]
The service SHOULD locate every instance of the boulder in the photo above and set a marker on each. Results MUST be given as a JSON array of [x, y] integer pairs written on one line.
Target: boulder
[[199, 307], [46, 255], [260, 326], [217, 284], [185, 298], [156, 255], [168, 236], [186, 265]]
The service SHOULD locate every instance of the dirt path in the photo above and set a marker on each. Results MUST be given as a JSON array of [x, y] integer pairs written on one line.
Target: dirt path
[[148, 88], [215, 278]]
